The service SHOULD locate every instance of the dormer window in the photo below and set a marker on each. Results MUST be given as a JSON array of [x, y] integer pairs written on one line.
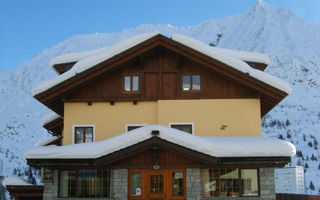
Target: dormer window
[[131, 83], [191, 82]]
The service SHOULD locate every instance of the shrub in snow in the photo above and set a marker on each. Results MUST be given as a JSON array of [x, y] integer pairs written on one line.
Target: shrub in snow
[[306, 166]]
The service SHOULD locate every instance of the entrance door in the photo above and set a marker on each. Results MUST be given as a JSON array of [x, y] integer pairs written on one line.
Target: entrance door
[[165, 184], [157, 185]]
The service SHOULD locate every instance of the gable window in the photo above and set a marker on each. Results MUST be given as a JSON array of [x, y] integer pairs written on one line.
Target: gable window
[[191, 82], [131, 83], [229, 182], [83, 134], [84, 183], [186, 127]]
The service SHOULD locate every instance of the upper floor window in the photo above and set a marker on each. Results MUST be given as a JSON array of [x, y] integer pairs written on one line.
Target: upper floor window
[[186, 127], [131, 83], [83, 134], [191, 82]]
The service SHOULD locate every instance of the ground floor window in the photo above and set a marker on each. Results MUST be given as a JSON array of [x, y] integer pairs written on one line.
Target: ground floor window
[[86, 183], [229, 182]]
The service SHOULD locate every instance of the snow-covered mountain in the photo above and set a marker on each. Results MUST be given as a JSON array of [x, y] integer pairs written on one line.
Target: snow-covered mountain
[[292, 45]]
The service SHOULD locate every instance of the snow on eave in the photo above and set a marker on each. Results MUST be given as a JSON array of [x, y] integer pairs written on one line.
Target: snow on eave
[[74, 57], [233, 62], [213, 146], [46, 141], [14, 180], [49, 118], [246, 56], [91, 61]]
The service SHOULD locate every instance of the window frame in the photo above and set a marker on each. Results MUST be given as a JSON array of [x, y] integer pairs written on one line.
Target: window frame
[[128, 125], [74, 126], [131, 83], [77, 182], [240, 181], [191, 82], [184, 123]]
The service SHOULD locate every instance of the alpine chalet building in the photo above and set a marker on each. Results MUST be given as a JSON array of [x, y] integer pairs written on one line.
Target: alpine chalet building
[[158, 118]]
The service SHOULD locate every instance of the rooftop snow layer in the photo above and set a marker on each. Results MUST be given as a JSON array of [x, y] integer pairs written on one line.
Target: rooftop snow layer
[[245, 55], [232, 61], [223, 56], [46, 141], [49, 118], [90, 61], [75, 57], [213, 146], [14, 180]]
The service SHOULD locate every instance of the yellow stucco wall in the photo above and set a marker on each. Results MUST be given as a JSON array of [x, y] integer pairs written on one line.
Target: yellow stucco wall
[[241, 116]]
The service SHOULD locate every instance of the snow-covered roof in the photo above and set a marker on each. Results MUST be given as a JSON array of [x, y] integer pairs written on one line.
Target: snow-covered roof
[[74, 57], [49, 118], [46, 141], [14, 180], [213, 146], [90, 61], [234, 59], [246, 56]]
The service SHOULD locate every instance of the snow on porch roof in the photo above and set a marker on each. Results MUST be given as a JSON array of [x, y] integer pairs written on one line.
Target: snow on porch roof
[[224, 56], [213, 146], [14, 180]]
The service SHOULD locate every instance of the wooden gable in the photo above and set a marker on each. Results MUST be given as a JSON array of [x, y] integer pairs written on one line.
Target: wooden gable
[[160, 71], [161, 63]]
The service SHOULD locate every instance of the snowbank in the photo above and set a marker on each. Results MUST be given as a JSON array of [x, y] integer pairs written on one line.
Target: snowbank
[[234, 59], [49, 118], [14, 180], [46, 141], [214, 146]]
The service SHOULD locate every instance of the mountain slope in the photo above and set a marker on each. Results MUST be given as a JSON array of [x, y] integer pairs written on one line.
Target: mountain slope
[[292, 45]]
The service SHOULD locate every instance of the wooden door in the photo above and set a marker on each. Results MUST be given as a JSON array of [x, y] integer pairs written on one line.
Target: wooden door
[[165, 184]]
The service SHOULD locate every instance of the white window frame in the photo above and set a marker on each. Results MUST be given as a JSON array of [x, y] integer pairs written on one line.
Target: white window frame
[[84, 125], [127, 125], [183, 123]]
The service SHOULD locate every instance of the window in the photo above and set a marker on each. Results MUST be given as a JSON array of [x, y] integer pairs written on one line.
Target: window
[[191, 82], [83, 134], [186, 127], [229, 182], [177, 184], [136, 184], [131, 83], [86, 183]]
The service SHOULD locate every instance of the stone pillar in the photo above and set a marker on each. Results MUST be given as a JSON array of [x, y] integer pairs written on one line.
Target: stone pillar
[[193, 182], [267, 183], [120, 184]]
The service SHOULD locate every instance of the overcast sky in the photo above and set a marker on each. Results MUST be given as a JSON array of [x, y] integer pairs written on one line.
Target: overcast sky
[[27, 27]]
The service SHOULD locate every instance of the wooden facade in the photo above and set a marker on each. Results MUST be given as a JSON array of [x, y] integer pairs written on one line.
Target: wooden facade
[[160, 62]]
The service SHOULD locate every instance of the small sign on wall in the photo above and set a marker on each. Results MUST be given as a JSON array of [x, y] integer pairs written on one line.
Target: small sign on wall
[[46, 175]]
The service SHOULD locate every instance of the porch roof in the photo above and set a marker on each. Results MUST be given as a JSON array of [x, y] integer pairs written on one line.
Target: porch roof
[[217, 147]]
